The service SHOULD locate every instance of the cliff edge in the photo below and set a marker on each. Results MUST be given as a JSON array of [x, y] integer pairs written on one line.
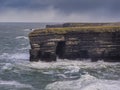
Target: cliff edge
[[95, 41]]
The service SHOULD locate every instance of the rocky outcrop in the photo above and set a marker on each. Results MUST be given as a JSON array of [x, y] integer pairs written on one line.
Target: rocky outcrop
[[95, 42]]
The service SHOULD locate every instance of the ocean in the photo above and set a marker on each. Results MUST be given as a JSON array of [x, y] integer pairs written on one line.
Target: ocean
[[17, 73]]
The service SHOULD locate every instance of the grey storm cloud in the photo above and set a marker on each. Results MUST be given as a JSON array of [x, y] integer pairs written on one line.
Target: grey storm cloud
[[65, 6], [59, 10]]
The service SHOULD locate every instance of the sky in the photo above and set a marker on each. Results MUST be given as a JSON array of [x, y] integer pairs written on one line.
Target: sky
[[59, 10]]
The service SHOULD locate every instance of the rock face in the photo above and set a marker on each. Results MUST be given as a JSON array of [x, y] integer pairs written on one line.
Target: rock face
[[94, 42]]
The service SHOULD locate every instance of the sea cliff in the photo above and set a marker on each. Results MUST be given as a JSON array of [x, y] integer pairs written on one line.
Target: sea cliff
[[95, 41]]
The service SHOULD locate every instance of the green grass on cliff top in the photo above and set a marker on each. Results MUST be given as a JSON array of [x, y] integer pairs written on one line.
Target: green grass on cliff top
[[75, 29]]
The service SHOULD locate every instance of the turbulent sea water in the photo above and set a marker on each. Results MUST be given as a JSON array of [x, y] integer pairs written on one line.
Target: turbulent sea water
[[17, 73]]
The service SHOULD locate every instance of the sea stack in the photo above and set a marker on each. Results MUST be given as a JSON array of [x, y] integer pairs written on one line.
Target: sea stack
[[76, 41]]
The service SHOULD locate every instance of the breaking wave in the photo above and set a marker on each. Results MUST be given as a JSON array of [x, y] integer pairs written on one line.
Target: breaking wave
[[13, 85], [21, 37], [32, 29], [86, 82], [66, 64], [15, 56]]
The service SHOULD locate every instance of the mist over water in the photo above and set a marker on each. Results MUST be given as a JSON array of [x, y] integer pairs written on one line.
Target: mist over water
[[17, 73]]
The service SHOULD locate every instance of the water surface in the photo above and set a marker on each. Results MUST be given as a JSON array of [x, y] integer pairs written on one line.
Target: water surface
[[17, 73]]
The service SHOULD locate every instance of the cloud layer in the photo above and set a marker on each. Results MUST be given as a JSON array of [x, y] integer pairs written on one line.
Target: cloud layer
[[59, 10]]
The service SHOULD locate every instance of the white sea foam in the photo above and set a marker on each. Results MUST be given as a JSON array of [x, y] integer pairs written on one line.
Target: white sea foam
[[14, 84], [86, 82], [68, 64], [14, 56], [7, 66], [24, 48], [21, 37], [30, 30], [20, 56]]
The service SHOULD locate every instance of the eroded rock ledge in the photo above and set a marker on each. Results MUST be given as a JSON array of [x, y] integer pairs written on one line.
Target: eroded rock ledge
[[79, 41]]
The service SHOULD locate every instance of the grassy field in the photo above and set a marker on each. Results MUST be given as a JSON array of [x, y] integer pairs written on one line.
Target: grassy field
[[64, 30]]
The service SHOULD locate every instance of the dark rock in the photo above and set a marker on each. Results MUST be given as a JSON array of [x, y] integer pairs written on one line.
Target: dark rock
[[94, 42]]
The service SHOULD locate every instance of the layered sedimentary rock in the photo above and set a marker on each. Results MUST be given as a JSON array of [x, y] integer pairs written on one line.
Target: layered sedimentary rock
[[95, 42]]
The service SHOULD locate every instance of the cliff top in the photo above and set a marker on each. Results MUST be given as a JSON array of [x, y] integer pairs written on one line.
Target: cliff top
[[82, 25], [103, 27]]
